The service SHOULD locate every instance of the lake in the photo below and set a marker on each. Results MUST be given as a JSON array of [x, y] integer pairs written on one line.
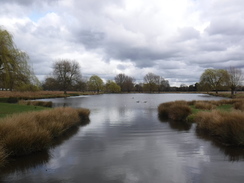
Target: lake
[[126, 142]]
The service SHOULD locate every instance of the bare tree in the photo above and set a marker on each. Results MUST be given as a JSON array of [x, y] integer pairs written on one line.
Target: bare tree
[[164, 85], [125, 82], [67, 73], [235, 78], [151, 82]]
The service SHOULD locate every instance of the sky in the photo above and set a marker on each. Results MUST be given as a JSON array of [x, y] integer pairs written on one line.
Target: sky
[[176, 39]]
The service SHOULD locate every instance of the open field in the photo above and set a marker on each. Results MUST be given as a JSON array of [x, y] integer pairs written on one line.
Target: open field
[[29, 132], [222, 119]]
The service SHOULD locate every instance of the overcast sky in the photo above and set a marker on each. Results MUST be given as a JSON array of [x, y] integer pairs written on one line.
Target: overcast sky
[[176, 39]]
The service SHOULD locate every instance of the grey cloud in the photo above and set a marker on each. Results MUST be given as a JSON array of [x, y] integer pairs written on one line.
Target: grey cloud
[[188, 33], [142, 57], [22, 2], [227, 27], [90, 39], [27, 2], [95, 5]]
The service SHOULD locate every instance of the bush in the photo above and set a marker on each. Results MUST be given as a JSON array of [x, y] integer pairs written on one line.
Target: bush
[[178, 110], [12, 100]]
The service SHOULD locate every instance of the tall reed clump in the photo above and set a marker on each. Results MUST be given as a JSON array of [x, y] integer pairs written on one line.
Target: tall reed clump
[[25, 133], [239, 105], [36, 103], [227, 127], [177, 110]]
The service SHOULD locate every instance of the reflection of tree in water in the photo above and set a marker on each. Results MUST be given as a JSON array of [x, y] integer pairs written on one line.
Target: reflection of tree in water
[[176, 125], [24, 163], [234, 153]]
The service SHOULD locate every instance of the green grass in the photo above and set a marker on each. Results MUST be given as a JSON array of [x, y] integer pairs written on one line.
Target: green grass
[[225, 107], [8, 109], [195, 111]]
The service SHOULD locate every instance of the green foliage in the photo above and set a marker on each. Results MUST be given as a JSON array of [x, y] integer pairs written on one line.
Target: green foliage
[[95, 83], [28, 87], [14, 69], [214, 79], [112, 87]]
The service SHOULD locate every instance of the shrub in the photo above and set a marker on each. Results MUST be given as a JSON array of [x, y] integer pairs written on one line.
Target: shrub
[[12, 100], [177, 110], [228, 127]]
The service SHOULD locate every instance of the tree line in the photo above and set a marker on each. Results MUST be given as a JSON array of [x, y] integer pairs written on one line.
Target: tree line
[[16, 74], [66, 76]]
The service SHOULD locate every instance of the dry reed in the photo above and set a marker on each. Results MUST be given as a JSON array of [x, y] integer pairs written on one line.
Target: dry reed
[[178, 110], [239, 105], [204, 105], [36, 103], [3, 156], [25, 133], [228, 127]]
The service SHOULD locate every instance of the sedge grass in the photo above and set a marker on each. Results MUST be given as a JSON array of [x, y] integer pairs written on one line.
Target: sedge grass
[[177, 110], [36, 103], [29, 132], [227, 127], [223, 119]]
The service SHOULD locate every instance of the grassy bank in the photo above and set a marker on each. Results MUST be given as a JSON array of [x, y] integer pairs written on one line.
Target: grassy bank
[[9, 109], [28, 132], [222, 119], [238, 95]]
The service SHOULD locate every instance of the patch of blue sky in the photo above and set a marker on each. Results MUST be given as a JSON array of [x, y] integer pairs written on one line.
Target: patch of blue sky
[[35, 16]]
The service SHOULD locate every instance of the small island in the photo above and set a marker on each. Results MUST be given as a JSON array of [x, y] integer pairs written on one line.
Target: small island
[[223, 119]]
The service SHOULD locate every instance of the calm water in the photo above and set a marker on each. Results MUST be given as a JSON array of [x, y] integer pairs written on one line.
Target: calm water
[[126, 142]]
